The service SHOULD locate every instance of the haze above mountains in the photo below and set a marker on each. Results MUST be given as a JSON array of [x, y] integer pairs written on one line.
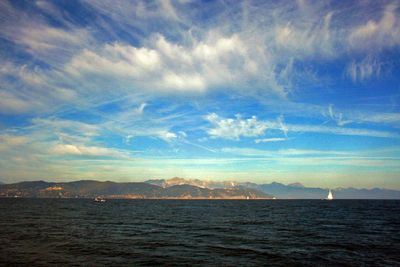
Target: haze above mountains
[[179, 188]]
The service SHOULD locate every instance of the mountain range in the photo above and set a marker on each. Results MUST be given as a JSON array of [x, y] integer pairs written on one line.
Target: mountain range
[[290, 191], [91, 189], [180, 188]]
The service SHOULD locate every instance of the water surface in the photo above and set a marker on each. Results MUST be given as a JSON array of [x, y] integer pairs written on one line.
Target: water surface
[[80, 232]]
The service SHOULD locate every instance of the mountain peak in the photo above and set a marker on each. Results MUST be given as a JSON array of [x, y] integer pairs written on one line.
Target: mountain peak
[[173, 179], [296, 185]]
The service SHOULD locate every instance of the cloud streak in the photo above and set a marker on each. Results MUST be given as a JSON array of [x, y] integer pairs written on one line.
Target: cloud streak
[[68, 149], [235, 128], [268, 140]]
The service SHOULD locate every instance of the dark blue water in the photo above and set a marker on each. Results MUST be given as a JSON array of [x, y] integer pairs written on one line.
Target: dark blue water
[[80, 232]]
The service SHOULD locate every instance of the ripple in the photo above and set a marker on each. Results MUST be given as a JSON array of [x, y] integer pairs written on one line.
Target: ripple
[[43, 232]]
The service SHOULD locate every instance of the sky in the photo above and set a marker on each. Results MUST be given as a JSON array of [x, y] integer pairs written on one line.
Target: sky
[[260, 91]]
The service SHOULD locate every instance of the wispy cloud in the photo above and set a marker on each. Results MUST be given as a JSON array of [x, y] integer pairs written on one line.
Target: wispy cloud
[[341, 131], [140, 109], [284, 152], [8, 141], [268, 140], [337, 117], [378, 34], [167, 136], [79, 150], [364, 70], [59, 126], [237, 127]]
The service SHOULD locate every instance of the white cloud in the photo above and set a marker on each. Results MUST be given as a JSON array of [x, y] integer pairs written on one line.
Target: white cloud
[[340, 131], [31, 89], [140, 109], [312, 152], [130, 11], [378, 34], [116, 59], [183, 82], [307, 39], [53, 45], [40, 38], [66, 126], [268, 140], [11, 103], [81, 150], [366, 69], [167, 8], [182, 134], [212, 62], [244, 151], [382, 118], [235, 128], [337, 117], [282, 125], [341, 116], [11, 141], [167, 136]]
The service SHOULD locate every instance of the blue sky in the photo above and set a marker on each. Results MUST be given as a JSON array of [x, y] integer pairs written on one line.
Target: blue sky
[[261, 91]]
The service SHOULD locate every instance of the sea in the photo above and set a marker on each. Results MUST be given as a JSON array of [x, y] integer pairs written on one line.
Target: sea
[[81, 232]]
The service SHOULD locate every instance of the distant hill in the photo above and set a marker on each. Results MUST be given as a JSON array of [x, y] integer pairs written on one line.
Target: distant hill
[[375, 193], [180, 188], [290, 191], [293, 192], [300, 192], [91, 189]]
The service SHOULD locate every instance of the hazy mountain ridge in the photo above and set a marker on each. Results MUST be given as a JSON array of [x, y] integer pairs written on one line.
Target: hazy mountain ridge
[[195, 182], [290, 191], [186, 189], [297, 192], [90, 189]]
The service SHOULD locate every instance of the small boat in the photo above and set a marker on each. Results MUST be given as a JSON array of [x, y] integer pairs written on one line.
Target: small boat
[[99, 199], [330, 196]]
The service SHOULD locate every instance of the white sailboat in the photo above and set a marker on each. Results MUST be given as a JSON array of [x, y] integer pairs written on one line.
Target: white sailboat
[[330, 196]]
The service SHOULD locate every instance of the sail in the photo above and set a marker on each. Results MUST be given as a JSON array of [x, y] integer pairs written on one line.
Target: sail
[[330, 196]]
